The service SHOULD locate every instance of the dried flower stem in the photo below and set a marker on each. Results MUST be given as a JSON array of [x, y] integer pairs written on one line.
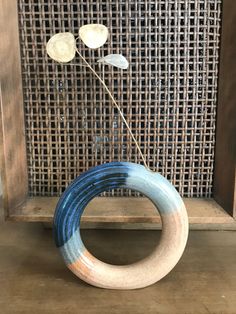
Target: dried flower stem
[[116, 105]]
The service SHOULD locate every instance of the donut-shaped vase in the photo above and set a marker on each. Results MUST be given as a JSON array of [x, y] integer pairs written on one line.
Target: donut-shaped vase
[[121, 175]]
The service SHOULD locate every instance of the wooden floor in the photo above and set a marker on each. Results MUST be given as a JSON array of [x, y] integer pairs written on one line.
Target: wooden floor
[[33, 278]]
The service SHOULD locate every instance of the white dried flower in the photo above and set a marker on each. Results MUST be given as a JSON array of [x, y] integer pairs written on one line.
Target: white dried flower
[[116, 60], [62, 47], [93, 35]]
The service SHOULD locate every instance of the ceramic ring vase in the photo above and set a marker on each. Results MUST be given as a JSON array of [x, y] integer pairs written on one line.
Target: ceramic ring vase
[[121, 175]]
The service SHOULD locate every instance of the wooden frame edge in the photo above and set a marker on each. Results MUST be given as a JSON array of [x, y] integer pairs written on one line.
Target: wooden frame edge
[[128, 213], [13, 161], [225, 155]]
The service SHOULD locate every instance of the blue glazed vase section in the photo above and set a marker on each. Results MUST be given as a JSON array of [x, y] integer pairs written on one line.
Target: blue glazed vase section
[[103, 178]]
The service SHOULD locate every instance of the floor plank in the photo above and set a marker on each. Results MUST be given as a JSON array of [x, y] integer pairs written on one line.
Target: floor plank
[[33, 277]]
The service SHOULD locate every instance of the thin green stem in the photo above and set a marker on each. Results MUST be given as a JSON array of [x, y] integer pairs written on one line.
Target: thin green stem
[[116, 105]]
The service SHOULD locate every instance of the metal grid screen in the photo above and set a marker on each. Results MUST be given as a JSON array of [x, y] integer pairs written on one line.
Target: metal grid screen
[[168, 94]]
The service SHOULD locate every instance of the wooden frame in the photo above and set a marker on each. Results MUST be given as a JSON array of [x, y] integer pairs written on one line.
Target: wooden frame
[[225, 155], [219, 212], [13, 147]]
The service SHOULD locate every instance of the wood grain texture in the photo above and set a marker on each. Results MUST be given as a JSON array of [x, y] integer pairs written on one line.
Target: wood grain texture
[[13, 149], [127, 212], [35, 280], [225, 155]]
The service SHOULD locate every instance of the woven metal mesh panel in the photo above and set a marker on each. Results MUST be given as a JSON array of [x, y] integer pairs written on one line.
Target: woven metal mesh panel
[[168, 94]]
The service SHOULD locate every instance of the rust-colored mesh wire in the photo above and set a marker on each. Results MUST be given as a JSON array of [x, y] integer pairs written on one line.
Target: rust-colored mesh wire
[[168, 94]]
